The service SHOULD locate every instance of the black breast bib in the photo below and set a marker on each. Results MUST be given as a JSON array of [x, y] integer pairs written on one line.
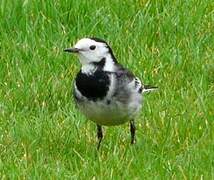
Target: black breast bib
[[93, 86]]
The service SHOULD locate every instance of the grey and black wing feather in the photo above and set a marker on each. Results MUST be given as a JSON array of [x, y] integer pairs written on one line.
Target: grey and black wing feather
[[125, 84], [127, 81]]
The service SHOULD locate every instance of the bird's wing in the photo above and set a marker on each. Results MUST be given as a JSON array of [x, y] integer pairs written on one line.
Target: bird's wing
[[127, 79], [125, 84]]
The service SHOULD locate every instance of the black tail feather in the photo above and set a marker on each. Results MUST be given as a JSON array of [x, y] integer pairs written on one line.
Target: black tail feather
[[148, 88]]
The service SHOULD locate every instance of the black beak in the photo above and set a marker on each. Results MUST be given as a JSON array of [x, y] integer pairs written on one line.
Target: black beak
[[72, 50]]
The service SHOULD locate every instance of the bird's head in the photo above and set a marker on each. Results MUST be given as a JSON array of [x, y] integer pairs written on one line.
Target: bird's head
[[91, 50]]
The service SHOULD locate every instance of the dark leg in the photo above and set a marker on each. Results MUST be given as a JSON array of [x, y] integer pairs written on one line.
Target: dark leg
[[132, 129], [99, 135]]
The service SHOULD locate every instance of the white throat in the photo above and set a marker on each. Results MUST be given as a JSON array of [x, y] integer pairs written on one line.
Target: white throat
[[90, 68]]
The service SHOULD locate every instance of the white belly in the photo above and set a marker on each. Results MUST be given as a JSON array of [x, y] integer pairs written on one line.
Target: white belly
[[111, 114]]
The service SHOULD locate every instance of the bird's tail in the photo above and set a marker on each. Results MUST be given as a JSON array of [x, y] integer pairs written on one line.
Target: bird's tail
[[148, 88]]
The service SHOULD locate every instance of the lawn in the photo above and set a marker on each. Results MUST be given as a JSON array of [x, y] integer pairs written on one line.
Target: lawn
[[169, 44]]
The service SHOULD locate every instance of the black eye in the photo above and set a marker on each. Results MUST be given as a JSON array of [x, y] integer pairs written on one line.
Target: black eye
[[93, 47]]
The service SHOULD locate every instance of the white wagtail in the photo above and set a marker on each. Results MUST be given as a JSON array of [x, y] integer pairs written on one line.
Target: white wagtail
[[105, 91]]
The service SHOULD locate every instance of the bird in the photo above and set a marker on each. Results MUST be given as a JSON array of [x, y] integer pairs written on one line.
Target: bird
[[104, 91]]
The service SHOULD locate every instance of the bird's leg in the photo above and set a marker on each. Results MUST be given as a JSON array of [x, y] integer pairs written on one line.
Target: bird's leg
[[99, 135], [132, 129]]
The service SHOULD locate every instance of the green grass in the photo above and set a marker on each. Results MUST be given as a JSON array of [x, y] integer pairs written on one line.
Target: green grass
[[166, 43]]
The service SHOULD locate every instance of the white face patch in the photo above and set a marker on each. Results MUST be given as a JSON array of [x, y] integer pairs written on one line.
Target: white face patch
[[91, 50], [110, 64]]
